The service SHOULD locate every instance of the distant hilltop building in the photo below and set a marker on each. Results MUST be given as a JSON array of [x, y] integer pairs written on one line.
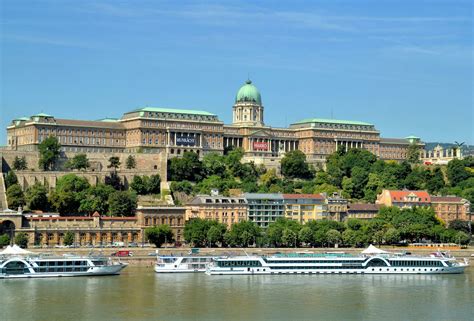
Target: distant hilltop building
[[440, 155], [171, 132]]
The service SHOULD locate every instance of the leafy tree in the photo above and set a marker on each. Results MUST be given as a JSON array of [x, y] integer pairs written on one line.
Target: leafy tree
[[11, 179], [49, 150], [20, 164], [79, 161], [243, 234], [294, 165], [333, 236], [188, 167], [114, 180], [462, 238], [373, 187], [137, 185], [289, 238], [213, 164], [15, 197], [196, 231], [459, 225], [70, 190], [360, 177], [356, 157], [183, 187], [21, 239], [392, 236], [159, 235], [96, 199], [413, 154], [114, 162], [306, 235], [275, 230], [4, 240], [435, 181], [68, 238], [122, 203], [37, 197], [457, 171], [153, 184], [326, 188], [215, 234], [347, 187], [355, 224], [130, 163]]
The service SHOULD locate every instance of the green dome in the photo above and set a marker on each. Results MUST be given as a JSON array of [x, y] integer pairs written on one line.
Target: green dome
[[248, 93]]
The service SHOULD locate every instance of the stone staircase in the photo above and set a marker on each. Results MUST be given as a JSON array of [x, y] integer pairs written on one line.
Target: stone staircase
[[3, 194]]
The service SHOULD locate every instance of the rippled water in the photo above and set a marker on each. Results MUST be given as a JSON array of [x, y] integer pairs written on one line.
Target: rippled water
[[140, 294]]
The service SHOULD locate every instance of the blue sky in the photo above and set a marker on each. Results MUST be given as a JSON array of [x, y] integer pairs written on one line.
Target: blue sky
[[406, 66]]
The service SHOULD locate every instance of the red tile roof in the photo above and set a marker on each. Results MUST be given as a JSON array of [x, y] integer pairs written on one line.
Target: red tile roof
[[399, 196], [297, 196]]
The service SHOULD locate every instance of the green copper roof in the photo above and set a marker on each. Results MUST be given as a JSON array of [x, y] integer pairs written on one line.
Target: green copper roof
[[174, 111], [412, 137], [42, 115], [22, 118], [248, 92], [332, 121], [108, 120]]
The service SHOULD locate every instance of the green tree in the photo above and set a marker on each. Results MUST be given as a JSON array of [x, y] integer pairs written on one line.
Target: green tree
[[360, 177], [70, 190], [457, 171], [373, 187], [294, 165], [114, 162], [159, 235], [216, 233], [68, 238], [188, 167], [289, 238], [130, 163], [306, 235], [96, 199], [213, 164], [137, 185], [153, 184], [11, 179], [37, 197], [49, 150], [326, 188], [392, 236], [122, 203], [79, 162], [21, 239], [333, 236], [4, 240], [183, 187], [15, 197], [195, 231], [20, 164], [459, 225], [462, 238], [114, 180], [347, 187], [413, 154], [435, 181], [243, 234]]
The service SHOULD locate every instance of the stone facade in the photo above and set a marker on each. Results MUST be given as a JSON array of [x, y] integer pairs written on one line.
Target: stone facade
[[49, 229], [449, 208], [226, 210], [171, 132]]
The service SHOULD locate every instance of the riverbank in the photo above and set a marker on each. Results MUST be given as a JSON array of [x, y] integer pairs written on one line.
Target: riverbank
[[147, 256]]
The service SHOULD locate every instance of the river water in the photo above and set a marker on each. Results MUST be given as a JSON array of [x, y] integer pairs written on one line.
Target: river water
[[140, 294]]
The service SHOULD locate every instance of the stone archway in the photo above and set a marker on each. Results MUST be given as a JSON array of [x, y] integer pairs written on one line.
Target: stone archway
[[7, 227]]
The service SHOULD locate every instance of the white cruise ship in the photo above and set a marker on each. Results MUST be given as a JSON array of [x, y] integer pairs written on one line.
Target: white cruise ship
[[41, 267], [182, 264], [380, 262]]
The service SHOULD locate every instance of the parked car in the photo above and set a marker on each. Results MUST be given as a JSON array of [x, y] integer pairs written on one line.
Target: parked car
[[122, 253], [133, 244]]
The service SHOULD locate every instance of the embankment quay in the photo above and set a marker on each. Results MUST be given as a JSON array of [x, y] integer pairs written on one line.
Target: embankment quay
[[147, 256]]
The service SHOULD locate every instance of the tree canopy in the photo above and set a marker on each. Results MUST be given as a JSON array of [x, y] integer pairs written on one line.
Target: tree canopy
[[49, 150]]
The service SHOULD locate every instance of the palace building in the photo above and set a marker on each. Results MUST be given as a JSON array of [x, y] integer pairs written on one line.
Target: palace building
[[171, 132]]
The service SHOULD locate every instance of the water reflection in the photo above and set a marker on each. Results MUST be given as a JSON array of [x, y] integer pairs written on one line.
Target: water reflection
[[140, 294]]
